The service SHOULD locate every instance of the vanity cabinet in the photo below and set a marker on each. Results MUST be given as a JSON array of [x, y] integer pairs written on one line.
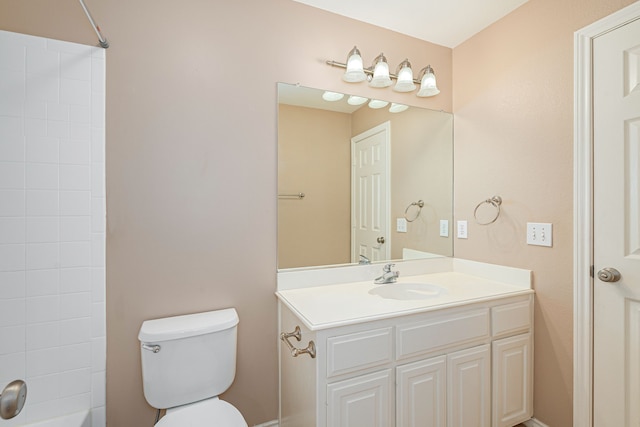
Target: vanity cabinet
[[512, 370], [362, 401], [451, 367]]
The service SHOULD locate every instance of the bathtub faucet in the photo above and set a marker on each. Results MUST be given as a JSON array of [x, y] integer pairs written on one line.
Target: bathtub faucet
[[388, 276]]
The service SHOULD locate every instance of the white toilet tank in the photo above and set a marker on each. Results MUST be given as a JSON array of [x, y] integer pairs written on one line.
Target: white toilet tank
[[195, 358]]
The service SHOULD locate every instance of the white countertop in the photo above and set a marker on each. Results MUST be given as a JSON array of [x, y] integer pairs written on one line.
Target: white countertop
[[334, 305]]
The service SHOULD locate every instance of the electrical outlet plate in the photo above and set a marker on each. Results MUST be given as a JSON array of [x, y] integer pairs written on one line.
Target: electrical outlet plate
[[539, 234]]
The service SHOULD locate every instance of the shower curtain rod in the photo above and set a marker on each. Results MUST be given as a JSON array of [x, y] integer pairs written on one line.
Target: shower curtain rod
[[102, 40]]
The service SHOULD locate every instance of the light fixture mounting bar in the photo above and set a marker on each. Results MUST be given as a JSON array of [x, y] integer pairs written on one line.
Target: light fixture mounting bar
[[368, 71]]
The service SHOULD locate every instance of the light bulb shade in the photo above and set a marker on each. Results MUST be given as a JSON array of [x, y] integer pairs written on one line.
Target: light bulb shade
[[355, 69], [332, 96], [380, 73], [397, 108], [428, 85], [356, 100], [376, 103], [405, 78]]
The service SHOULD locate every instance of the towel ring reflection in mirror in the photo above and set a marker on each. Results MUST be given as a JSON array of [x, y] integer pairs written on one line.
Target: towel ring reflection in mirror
[[419, 204], [495, 201]]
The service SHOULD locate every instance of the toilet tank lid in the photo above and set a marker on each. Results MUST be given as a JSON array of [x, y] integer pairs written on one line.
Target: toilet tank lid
[[189, 325]]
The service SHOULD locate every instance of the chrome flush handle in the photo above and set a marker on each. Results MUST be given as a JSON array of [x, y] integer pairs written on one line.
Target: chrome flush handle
[[153, 348]]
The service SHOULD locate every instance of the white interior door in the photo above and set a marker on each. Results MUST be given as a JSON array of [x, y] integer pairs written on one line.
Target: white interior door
[[616, 216], [370, 194]]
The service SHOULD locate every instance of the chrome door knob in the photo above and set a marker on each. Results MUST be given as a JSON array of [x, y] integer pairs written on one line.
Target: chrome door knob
[[380, 240], [609, 274]]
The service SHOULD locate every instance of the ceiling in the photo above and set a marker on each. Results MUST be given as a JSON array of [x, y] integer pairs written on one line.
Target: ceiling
[[444, 22]]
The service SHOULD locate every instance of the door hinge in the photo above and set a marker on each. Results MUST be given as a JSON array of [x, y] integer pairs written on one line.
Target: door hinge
[[591, 271]]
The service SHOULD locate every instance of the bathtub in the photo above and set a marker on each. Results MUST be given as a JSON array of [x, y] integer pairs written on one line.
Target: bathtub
[[77, 419]]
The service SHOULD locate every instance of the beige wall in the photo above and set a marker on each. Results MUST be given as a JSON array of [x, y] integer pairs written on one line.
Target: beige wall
[[191, 161], [513, 105], [421, 169], [314, 158]]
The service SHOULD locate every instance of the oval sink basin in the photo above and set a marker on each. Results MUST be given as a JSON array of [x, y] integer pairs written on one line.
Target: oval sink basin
[[407, 291]]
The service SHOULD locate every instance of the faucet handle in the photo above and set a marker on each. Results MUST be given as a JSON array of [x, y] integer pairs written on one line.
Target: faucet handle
[[387, 268]]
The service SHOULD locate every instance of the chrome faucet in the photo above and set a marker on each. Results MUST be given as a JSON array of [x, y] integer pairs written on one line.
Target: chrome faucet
[[388, 276], [364, 260]]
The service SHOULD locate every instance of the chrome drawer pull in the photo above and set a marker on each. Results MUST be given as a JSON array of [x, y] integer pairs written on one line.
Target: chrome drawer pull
[[295, 352]]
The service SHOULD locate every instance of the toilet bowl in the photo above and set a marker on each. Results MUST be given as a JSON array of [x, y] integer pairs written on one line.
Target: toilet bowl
[[187, 362], [206, 413]]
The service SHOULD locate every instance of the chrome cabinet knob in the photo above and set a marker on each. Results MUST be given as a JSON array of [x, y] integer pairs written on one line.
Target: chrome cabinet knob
[[609, 274], [380, 240]]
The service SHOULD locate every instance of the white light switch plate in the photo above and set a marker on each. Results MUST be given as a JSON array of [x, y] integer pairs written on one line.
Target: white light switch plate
[[462, 229], [444, 228], [539, 234], [401, 225]]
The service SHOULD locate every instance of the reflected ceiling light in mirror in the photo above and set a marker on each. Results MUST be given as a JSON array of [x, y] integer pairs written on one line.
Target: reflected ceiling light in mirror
[[356, 100], [380, 72], [405, 78], [355, 69], [428, 85], [379, 76], [332, 96], [397, 108], [376, 103]]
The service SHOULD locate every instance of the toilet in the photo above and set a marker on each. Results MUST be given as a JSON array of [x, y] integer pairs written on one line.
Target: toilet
[[187, 361]]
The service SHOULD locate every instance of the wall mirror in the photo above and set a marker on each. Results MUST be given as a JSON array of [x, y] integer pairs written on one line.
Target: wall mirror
[[361, 178]]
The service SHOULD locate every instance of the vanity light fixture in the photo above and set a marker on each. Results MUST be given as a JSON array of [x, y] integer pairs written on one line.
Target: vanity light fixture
[[397, 108], [376, 103], [378, 74], [381, 76], [355, 71], [405, 78], [356, 100], [359, 100], [332, 96], [428, 82]]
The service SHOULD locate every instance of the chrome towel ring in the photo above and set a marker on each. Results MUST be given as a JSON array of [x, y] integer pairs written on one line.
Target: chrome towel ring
[[495, 201], [419, 204]]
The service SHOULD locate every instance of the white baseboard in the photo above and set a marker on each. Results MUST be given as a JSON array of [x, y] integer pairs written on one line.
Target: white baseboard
[[534, 423], [273, 423]]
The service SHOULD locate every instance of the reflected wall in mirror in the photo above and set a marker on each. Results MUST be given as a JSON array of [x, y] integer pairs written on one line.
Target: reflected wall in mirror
[[330, 201]]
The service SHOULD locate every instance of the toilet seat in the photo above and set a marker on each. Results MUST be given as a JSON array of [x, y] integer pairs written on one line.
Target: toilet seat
[[206, 413]]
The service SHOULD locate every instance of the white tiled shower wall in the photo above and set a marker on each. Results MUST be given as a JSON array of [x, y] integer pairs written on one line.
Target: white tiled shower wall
[[52, 225]]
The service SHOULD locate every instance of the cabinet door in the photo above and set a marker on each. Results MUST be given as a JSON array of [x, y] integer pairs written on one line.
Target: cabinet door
[[512, 380], [469, 387], [421, 393], [364, 401]]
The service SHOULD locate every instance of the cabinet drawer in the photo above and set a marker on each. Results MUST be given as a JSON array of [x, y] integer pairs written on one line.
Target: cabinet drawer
[[347, 353], [511, 318], [442, 331]]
